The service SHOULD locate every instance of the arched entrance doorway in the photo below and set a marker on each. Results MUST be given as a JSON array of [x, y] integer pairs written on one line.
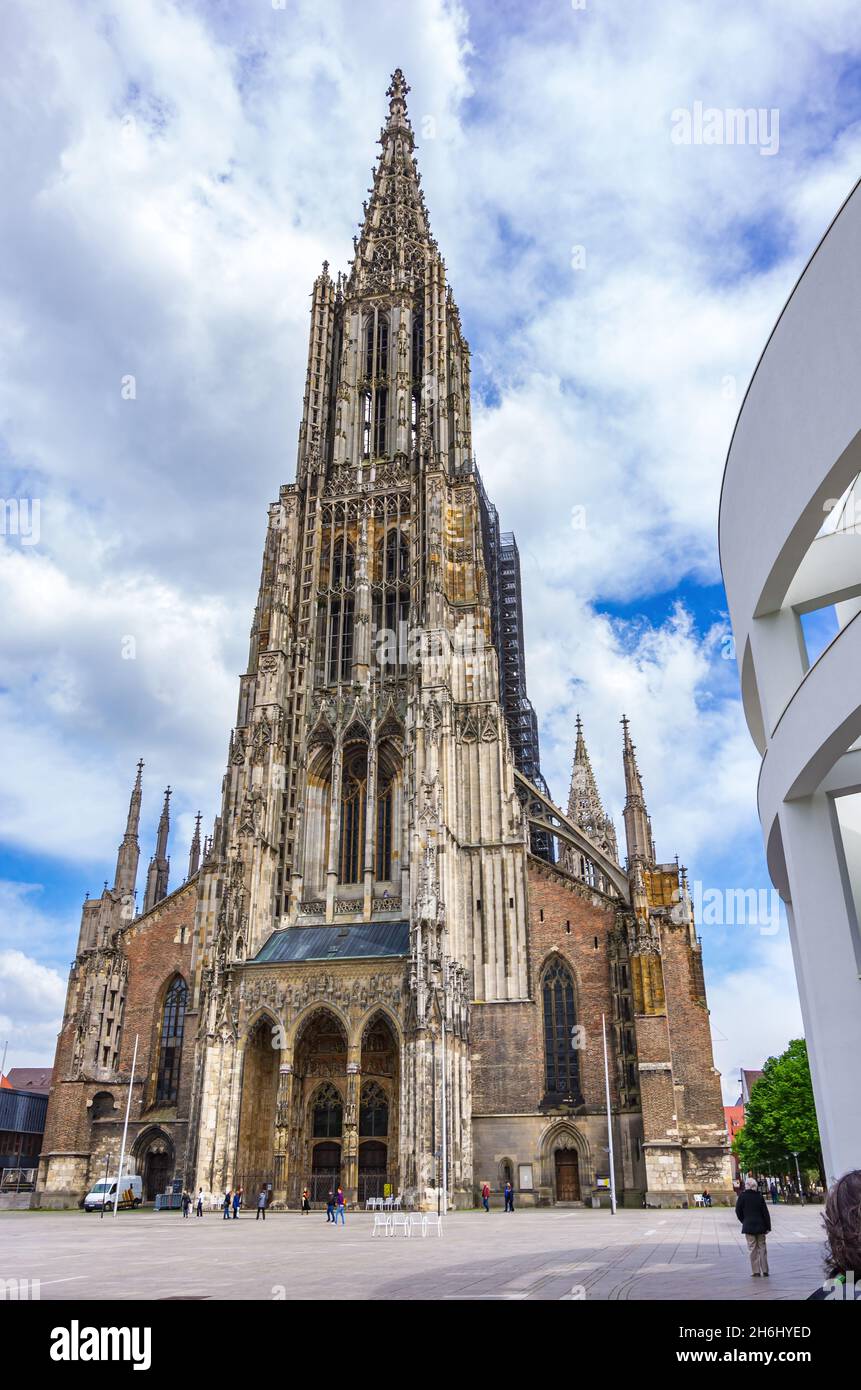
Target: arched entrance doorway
[[155, 1160], [320, 1095], [372, 1169], [567, 1173], [378, 1110], [255, 1155]]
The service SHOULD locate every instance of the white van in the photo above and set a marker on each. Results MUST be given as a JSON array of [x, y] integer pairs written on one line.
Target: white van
[[103, 1194]]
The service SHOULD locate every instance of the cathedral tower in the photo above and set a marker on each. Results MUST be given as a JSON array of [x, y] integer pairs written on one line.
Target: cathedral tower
[[369, 792]]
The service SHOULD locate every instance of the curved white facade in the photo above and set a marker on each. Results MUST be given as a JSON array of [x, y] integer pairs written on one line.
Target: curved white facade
[[796, 450]]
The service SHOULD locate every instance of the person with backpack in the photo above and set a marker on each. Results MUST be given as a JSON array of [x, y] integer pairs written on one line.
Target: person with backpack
[[330, 1207], [186, 1204], [225, 1205]]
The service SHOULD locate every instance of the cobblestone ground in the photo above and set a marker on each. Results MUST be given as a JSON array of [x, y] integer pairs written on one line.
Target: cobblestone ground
[[555, 1254]]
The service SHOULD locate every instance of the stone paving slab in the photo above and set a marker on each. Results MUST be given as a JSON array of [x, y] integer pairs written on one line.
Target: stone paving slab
[[530, 1255]]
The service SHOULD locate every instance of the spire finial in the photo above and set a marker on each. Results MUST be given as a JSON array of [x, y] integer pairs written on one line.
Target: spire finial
[[194, 852], [397, 92], [638, 828], [129, 852], [584, 805]]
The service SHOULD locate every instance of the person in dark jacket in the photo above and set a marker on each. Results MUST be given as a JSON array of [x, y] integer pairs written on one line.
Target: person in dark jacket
[[842, 1220], [752, 1211]]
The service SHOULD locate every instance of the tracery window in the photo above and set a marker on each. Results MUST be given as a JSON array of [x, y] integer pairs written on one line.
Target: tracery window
[[354, 787], [381, 410], [373, 1112], [562, 1071], [382, 347], [418, 346], [339, 636], [369, 349], [384, 831], [328, 1113], [366, 424], [170, 1042]]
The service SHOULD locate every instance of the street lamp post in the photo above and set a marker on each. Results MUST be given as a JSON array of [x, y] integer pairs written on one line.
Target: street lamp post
[[794, 1153], [609, 1122]]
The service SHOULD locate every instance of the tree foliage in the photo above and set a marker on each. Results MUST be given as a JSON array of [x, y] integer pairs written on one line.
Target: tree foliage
[[780, 1117]]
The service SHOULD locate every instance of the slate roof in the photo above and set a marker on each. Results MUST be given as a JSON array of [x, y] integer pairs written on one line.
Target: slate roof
[[349, 942]]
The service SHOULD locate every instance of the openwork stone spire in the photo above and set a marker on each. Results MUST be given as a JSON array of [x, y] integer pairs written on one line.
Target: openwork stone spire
[[585, 807], [194, 852], [129, 851], [159, 865], [395, 233], [638, 827]]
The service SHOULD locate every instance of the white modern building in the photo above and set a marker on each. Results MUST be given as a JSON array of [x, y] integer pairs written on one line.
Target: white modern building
[[790, 545]]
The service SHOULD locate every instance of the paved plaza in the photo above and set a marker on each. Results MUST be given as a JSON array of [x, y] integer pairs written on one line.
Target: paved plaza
[[553, 1254]]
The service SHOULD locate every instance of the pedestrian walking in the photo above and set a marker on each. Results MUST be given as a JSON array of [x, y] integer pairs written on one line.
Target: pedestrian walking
[[237, 1202], [707, 1198], [340, 1206], [775, 1195], [261, 1205], [509, 1197], [330, 1207], [485, 1197], [306, 1200], [225, 1205], [752, 1211], [186, 1205], [842, 1219], [200, 1202]]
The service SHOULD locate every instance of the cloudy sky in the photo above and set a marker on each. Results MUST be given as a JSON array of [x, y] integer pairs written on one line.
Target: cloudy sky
[[173, 176]]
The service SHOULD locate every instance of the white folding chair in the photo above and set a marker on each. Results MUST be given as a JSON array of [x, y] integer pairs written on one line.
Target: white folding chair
[[396, 1203], [381, 1223], [432, 1222], [416, 1221], [398, 1222]]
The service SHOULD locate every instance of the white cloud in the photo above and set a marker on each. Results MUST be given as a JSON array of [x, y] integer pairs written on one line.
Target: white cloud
[[755, 1011]]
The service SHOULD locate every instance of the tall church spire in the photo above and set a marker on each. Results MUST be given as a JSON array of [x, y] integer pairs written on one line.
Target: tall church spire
[[194, 852], [638, 827], [395, 230], [584, 802], [159, 865], [129, 851]]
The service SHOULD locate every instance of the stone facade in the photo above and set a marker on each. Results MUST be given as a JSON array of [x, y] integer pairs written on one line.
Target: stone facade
[[367, 977]]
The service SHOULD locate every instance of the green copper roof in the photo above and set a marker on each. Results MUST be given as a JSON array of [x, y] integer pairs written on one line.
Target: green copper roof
[[336, 942]]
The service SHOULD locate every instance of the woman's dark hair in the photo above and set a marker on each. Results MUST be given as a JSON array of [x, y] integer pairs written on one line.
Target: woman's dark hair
[[843, 1224]]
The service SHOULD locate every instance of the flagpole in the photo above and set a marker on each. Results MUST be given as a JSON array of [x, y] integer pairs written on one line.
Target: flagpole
[[126, 1126], [609, 1121]]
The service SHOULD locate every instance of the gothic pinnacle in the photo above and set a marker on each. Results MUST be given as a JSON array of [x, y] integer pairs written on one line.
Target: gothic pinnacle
[[585, 807], [159, 865], [129, 851], [638, 828], [194, 852]]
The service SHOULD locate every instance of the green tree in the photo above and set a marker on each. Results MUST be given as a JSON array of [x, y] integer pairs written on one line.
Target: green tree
[[781, 1117]]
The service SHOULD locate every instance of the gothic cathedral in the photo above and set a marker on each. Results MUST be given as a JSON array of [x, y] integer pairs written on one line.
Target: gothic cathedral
[[391, 965]]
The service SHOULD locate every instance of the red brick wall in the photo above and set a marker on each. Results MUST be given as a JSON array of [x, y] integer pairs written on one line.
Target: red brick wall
[[507, 1039], [155, 955]]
